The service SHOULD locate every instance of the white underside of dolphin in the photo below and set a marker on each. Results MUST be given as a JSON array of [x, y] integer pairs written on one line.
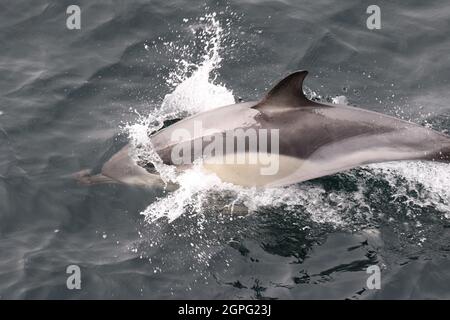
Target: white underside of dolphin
[[316, 140]]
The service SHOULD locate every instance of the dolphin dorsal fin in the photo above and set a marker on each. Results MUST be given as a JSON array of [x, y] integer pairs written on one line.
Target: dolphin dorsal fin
[[287, 93]]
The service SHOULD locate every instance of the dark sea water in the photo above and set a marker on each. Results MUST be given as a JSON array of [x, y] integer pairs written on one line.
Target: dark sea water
[[67, 98]]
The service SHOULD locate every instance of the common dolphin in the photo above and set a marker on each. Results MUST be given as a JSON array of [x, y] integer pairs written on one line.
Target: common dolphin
[[315, 140]]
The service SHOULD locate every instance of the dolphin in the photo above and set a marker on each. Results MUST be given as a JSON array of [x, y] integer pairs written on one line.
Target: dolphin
[[315, 140]]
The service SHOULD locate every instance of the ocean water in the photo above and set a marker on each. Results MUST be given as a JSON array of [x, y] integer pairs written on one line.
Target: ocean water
[[70, 98]]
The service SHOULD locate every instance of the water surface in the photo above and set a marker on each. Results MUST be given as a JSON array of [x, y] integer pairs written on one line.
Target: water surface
[[68, 98]]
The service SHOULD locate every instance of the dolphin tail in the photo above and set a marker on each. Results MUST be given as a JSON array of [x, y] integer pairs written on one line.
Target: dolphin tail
[[84, 177]]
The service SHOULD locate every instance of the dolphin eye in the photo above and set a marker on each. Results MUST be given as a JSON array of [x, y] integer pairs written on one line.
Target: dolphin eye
[[149, 167]]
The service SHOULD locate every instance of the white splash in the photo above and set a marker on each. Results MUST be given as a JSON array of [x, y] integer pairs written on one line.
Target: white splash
[[197, 93], [194, 92], [193, 190], [433, 176], [340, 100]]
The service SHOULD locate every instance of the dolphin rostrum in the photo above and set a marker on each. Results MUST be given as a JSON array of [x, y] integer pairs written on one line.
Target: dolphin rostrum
[[314, 140]]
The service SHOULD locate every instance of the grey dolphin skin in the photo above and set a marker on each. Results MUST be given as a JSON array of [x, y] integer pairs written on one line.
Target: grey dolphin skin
[[315, 140]]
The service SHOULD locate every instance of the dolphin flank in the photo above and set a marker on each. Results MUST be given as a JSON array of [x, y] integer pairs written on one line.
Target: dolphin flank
[[315, 140]]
